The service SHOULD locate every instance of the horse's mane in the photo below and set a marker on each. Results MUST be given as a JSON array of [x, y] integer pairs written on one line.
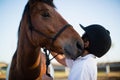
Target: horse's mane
[[25, 9]]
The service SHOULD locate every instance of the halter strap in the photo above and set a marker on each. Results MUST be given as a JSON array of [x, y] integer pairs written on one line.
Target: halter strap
[[60, 32], [48, 60]]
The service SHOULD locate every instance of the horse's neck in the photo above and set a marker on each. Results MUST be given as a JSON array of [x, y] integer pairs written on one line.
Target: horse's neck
[[28, 56], [31, 61]]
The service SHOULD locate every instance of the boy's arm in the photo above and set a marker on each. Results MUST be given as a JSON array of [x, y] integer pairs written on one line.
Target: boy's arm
[[60, 58]]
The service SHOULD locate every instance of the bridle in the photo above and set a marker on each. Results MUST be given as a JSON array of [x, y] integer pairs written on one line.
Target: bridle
[[32, 28]]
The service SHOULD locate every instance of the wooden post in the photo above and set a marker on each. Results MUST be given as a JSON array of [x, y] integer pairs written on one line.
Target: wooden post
[[107, 69]]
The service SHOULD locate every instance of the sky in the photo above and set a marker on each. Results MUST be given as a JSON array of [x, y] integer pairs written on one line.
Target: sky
[[85, 12]]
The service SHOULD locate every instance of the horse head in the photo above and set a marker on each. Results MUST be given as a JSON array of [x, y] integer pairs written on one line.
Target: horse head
[[47, 28]]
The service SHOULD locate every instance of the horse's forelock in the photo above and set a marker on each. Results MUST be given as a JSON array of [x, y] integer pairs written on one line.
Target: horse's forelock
[[49, 2]]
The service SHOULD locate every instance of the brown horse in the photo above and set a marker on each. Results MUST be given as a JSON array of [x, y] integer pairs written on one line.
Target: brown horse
[[41, 26]]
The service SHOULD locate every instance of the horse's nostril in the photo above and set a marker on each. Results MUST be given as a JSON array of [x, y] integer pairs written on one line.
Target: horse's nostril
[[79, 46]]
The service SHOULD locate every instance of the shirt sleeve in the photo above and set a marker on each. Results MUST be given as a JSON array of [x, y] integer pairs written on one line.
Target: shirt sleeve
[[69, 62]]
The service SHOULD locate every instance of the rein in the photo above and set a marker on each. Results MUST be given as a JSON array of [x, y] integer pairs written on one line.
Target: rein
[[32, 28], [48, 60]]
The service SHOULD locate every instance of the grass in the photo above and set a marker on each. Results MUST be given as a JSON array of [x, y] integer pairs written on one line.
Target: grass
[[2, 74], [61, 75], [113, 74], [109, 76]]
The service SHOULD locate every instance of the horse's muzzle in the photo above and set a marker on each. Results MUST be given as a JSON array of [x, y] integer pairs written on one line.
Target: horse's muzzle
[[74, 51]]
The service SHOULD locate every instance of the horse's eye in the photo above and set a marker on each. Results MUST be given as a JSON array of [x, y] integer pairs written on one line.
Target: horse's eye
[[46, 14]]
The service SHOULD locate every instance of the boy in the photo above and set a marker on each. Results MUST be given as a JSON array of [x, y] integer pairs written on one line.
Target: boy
[[97, 42]]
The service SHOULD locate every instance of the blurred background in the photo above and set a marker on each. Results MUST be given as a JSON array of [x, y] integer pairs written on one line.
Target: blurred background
[[85, 12]]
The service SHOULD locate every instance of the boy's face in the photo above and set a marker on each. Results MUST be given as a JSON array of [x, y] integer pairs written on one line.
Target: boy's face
[[86, 44], [86, 41]]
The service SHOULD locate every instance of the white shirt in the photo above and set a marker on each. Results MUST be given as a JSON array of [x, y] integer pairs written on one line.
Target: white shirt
[[83, 68]]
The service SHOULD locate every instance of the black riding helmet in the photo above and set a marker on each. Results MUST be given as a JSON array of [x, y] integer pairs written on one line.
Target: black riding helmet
[[99, 38]]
